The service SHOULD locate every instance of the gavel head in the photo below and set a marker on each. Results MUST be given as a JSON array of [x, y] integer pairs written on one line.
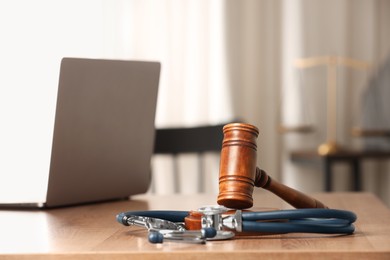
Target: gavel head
[[238, 166]]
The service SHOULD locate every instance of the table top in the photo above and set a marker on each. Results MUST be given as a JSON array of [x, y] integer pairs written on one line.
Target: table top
[[344, 154], [91, 232]]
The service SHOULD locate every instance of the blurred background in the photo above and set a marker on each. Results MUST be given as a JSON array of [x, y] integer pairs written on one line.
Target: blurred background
[[270, 63]]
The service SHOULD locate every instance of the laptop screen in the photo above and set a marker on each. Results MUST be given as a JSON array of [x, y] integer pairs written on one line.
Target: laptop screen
[[104, 130]]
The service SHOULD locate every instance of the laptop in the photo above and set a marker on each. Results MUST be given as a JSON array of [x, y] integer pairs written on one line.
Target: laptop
[[103, 133]]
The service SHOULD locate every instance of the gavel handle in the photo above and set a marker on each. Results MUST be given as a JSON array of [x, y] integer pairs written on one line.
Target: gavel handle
[[295, 198]]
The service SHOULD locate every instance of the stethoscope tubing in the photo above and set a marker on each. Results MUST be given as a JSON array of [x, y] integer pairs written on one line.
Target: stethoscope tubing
[[325, 221], [287, 227], [300, 214]]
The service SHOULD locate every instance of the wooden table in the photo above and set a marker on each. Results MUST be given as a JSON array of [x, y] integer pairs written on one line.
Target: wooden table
[[91, 232]]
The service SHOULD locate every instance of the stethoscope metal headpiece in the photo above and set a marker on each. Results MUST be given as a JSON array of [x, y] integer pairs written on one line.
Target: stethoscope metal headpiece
[[212, 217], [161, 229], [152, 223]]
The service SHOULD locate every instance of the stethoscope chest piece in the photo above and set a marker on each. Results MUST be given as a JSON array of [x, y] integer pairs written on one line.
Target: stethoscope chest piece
[[212, 218]]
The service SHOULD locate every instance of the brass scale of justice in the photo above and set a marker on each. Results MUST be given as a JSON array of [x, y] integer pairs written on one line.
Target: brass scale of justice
[[331, 145], [232, 216]]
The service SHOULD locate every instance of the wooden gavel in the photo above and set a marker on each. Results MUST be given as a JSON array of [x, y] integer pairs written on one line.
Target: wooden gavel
[[239, 174]]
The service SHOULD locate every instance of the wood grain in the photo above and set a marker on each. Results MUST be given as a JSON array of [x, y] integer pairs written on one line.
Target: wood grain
[[91, 232]]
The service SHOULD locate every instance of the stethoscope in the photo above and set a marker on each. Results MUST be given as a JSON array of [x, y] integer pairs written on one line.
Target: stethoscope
[[217, 225]]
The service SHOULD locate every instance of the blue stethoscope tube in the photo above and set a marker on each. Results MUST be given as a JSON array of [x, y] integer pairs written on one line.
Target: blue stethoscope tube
[[327, 221]]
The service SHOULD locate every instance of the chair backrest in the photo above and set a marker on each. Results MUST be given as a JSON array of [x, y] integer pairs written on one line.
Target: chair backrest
[[196, 140], [188, 140]]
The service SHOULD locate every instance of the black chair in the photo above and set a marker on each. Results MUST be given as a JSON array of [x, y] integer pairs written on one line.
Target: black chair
[[197, 140]]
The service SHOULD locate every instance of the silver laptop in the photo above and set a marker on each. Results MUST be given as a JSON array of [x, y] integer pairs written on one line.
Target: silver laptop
[[104, 132]]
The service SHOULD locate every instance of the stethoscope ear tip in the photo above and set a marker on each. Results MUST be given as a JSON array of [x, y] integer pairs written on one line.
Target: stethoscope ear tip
[[210, 232], [155, 237], [120, 218]]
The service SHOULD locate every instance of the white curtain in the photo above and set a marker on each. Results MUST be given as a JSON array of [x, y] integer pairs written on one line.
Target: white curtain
[[221, 59], [355, 29], [264, 38], [254, 52], [188, 38], [35, 35]]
